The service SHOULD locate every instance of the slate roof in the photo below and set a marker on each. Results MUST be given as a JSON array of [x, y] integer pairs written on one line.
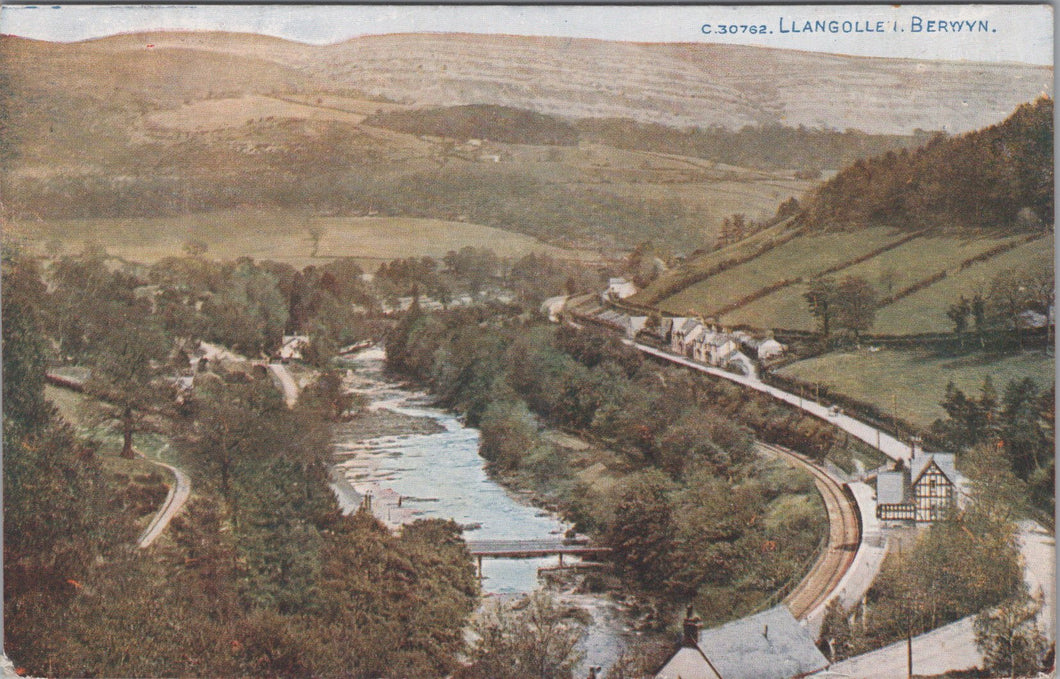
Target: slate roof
[[768, 645], [890, 488], [718, 339], [689, 324], [945, 461], [688, 663]]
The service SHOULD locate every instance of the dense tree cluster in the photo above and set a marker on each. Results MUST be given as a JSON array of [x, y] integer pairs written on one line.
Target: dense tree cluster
[[261, 575], [998, 178], [1019, 428], [685, 521], [966, 563], [480, 121], [770, 146], [849, 304]]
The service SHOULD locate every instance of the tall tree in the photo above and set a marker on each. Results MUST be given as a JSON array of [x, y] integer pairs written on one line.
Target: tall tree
[[958, 314], [536, 639], [1011, 294], [820, 297], [24, 347], [1010, 638], [643, 529], [127, 361], [855, 305]]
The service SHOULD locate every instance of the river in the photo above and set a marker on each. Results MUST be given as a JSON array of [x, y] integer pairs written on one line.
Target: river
[[429, 467]]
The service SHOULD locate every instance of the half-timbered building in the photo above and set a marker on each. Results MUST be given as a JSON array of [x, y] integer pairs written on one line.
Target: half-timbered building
[[921, 492]]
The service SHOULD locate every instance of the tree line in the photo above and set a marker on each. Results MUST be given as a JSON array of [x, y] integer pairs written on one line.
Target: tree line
[[996, 179], [261, 574], [685, 518]]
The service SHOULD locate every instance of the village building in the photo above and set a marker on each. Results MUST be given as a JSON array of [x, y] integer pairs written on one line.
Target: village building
[[770, 348], [292, 347], [618, 288], [684, 335], [553, 307], [923, 491], [768, 645]]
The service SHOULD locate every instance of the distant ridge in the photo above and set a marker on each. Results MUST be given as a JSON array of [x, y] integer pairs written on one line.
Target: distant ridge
[[681, 84]]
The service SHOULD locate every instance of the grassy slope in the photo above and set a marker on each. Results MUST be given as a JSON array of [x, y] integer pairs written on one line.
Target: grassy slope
[[803, 256], [84, 414], [283, 236], [916, 380], [913, 261], [925, 311]]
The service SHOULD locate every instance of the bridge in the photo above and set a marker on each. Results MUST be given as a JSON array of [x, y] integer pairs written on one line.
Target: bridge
[[529, 549]]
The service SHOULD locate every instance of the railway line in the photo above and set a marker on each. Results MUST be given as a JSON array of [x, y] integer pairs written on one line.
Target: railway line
[[844, 537]]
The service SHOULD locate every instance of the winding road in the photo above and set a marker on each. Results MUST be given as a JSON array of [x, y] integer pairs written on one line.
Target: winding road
[[178, 495], [947, 648], [844, 537]]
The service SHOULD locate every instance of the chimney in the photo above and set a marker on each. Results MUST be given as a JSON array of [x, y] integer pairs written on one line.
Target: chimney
[[691, 628], [765, 631]]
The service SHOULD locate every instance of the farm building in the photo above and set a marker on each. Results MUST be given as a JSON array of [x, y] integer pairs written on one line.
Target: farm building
[[921, 492], [767, 645]]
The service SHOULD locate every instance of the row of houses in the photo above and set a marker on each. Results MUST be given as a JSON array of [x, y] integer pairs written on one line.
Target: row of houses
[[692, 338]]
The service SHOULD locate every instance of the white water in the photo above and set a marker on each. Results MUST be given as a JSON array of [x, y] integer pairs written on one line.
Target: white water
[[438, 475], [441, 475]]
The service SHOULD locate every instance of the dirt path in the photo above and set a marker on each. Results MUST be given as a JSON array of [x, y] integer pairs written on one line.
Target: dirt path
[[178, 495]]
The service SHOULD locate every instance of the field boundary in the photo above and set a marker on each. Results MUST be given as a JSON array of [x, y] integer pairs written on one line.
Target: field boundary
[[673, 287], [984, 256]]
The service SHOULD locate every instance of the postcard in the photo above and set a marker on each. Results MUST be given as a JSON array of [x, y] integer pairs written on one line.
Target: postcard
[[528, 341]]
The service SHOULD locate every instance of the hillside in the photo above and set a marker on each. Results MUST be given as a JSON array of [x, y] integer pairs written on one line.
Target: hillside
[[481, 121], [770, 147], [921, 228], [675, 84], [998, 177], [162, 125], [196, 124], [681, 84]]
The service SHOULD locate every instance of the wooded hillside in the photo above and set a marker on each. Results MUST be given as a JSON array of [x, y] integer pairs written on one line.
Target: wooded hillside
[[481, 121], [998, 178]]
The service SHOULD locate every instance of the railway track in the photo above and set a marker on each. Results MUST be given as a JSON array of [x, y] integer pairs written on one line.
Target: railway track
[[844, 537]]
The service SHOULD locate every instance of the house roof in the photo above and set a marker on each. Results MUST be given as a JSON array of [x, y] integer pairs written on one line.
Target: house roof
[[688, 663], [696, 331], [890, 488], [689, 324], [636, 323], [945, 461], [768, 645]]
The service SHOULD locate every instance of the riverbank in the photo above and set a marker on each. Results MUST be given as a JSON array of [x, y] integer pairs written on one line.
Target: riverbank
[[403, 449]]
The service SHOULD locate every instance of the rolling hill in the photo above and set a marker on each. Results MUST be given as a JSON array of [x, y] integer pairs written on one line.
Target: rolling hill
[[676, 84], [164, 124], [923, 228]]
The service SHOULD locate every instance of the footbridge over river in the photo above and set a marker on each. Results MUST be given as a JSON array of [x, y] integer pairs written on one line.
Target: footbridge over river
[[529, 549]]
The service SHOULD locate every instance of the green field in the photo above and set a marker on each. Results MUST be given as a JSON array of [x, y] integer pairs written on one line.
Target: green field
[[282, 236], [801, 257], [915, 381], [905, 265], [87, 418], [925, 311]]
